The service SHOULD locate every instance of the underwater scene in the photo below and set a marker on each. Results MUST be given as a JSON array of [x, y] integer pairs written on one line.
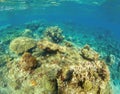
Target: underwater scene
[[59, 46]]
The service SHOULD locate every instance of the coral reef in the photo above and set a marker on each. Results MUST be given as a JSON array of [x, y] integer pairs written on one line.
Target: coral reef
[[22, 44], [63, 70], [57, 65], [54, 34], [82, 79]]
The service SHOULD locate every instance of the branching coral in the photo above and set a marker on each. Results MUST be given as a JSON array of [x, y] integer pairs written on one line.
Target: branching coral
[[54, 34]]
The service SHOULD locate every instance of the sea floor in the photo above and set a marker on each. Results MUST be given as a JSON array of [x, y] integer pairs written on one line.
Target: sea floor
[[101, 40]]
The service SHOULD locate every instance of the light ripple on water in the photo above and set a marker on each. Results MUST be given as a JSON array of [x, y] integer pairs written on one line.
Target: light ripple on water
[[26, 4]]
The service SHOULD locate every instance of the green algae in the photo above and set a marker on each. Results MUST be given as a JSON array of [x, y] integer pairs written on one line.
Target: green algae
[[87, 85]]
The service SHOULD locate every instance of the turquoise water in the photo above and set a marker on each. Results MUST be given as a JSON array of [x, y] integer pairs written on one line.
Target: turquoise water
[[93, 22]]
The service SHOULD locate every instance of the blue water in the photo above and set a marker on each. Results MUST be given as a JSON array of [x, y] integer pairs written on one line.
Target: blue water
[[100, 22], [104, 16]]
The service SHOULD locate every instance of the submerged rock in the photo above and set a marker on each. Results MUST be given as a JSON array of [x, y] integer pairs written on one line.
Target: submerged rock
[[22, 44], [63, 70], [49, 47], [88, 53]]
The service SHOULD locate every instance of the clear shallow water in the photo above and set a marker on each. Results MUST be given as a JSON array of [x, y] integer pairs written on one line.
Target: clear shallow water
[[92, 22]]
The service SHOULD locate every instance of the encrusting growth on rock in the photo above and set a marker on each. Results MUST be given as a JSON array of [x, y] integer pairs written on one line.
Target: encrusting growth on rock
[[22, 44], [64, 69], [88, 53]]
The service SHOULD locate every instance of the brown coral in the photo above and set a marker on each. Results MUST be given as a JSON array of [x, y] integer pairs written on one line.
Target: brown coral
[[28, 62]]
